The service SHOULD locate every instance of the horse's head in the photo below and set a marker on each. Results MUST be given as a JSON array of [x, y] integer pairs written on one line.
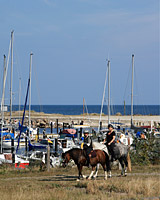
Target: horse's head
[[66, 158]]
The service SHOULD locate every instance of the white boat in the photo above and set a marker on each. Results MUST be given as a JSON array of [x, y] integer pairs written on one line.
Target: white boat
[[19, 162]]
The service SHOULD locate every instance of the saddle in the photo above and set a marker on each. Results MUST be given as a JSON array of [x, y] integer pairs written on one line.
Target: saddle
[[92, 154]]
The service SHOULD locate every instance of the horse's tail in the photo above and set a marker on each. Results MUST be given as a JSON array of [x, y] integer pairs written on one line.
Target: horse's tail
[[129, 162]]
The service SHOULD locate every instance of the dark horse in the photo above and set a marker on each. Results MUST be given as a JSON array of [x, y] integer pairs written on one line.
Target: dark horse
[[80, 158]]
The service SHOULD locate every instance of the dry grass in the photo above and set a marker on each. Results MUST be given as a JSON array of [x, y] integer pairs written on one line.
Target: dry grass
[[61, 184]]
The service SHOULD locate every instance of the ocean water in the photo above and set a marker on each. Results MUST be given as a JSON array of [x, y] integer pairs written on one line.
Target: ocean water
[[78, 109]]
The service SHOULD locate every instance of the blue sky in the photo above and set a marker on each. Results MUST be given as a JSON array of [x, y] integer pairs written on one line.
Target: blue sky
[[71, 40]]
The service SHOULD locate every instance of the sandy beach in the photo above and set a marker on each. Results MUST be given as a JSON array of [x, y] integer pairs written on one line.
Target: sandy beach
[[91, 119]]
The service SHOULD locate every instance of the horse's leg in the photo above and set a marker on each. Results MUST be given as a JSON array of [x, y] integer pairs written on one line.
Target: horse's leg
[[92, 172], [122, 165], [80, 171], [105, 171], [97, 168], [126, 165], [108, 164]]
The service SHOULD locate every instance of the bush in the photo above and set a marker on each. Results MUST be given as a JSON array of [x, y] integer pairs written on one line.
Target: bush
[[146, 151]]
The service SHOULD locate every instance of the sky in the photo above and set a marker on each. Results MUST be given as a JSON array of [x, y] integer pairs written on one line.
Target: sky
[[71, 41]]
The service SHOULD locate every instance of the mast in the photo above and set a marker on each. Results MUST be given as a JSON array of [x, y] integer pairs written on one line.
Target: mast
[[83, 108], [108, 91], [19, 96], [132, 89], [11, 75], [2, 103], [31, 54], [104, 91]]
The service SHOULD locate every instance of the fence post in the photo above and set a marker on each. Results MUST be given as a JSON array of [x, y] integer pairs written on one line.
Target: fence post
[[100, 128], [12, 150], [26, 144], [56, 146], [57, 125], [37, 134], [51, 127], [48, 158]]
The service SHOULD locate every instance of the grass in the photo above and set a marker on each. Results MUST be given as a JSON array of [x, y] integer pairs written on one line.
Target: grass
[[60, 183]]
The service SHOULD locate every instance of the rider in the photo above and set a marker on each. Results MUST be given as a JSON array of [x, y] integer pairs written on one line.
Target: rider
[[110, 140], [87, 139]]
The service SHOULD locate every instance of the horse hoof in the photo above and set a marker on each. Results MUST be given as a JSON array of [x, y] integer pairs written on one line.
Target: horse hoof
[[78, 180], [84, 176], [105, 178], [109, 176]]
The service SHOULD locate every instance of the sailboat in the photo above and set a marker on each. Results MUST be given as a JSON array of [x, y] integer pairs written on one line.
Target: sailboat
[[6, 135]]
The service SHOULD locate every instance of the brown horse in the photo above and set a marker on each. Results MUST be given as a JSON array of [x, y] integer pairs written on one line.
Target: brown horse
[[80, 158]]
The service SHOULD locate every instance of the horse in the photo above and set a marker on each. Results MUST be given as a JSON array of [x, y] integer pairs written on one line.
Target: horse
[[121, 154], [80, 158]]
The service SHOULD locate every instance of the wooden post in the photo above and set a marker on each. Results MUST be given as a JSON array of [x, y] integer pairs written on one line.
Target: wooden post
[[48, 158], [56, 145], [81, 129], [37, 133], [80, 132], [57, 125], [44, 135], [77, 132], [63, 125], [26, 143], [51, 127], [12, 145], [12, 150], [100, 125]]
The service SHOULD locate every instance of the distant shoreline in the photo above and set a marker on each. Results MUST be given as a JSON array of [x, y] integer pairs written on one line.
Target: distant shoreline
[[92, 119]]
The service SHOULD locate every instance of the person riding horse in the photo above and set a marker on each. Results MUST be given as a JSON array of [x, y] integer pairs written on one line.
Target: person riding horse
[[87, 140], [110, 141]]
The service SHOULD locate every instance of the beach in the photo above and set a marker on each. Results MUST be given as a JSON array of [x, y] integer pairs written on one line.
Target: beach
[[88, 119]]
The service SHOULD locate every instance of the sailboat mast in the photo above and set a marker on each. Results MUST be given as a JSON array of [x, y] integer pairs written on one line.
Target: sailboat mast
[[108, 91], [19, 96], [2, 103], [132, 90], [104, 92], [11, 75], [83, 108], [31, 54]]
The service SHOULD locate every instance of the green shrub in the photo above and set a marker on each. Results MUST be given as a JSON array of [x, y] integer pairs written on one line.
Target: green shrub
[[146, 151]]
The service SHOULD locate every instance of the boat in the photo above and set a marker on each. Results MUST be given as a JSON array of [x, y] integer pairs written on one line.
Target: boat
[[6, 158], [68, 133]]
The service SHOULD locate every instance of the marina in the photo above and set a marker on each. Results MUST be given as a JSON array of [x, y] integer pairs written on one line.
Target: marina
[[79, 100]]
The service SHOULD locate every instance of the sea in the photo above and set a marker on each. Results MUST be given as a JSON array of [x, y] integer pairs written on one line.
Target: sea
[[78, 109]]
